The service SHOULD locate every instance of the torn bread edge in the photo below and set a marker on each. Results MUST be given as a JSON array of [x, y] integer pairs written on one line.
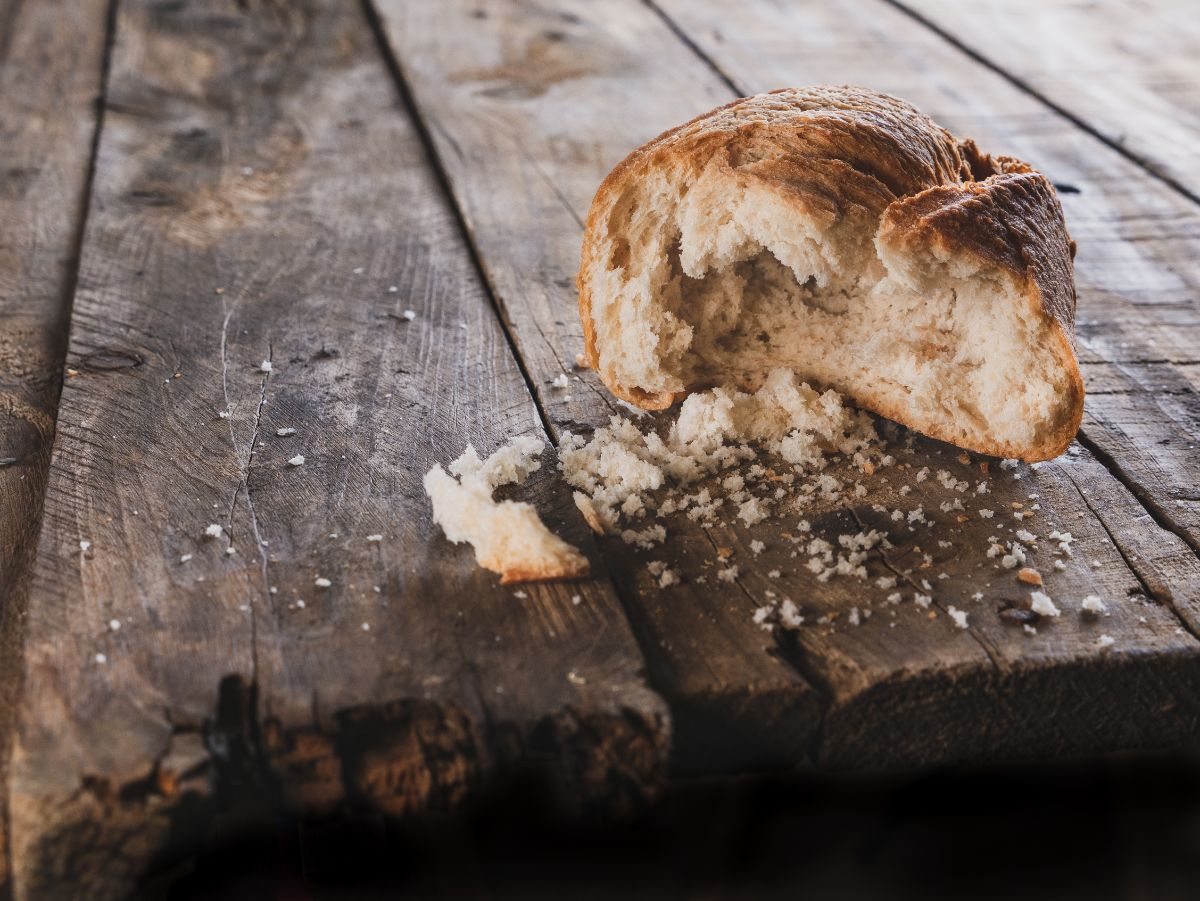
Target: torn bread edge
[[508, 536]]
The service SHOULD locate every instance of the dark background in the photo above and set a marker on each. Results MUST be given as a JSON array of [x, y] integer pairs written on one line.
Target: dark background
[[1122, 827]]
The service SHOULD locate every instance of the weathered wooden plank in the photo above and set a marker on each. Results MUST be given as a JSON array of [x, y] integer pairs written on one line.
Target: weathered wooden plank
[[529, 108], [520, 102], [1127, 71], [1108, 206], [1138, 264], [51, 72], [258, 190]]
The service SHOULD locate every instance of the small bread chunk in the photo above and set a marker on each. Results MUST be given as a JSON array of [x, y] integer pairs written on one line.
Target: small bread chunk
[[839, 233], [508, 536]]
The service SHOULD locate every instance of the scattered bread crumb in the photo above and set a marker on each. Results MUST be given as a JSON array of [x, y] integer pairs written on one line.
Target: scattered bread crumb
[[1029, 575], [1041, 604], [1094, 605], [508, 536]]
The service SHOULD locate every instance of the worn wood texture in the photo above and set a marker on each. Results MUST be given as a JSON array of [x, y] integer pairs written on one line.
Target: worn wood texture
[[519, 101], [1125, 70], [258, 190], [529, 107], [51, 69], [1138, 239], [1138, 262]]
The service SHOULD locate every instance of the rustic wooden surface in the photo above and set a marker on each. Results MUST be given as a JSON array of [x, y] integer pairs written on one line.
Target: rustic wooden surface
[[1130, 79], [232, 208], [545, 80], [265, 173], [51, 71]]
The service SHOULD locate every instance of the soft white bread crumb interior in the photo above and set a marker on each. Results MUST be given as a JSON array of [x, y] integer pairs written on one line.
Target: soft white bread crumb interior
[[508, 536], [720, 278], [619, 467]]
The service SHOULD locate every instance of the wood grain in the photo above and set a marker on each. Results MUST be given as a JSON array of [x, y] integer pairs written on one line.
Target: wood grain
[[51, 72], [1126, 70], [518, 100], [529, 107], [258, 190]]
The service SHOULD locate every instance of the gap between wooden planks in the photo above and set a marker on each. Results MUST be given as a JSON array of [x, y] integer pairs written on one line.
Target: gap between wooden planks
[[51, 72], [257, 191], [1125, 72], [528, 109]]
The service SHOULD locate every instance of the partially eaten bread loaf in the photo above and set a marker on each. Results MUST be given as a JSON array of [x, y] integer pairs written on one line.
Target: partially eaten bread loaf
[[839, 233]]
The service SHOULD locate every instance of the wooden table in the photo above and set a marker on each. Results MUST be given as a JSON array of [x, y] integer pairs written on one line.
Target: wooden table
[[219, 186]]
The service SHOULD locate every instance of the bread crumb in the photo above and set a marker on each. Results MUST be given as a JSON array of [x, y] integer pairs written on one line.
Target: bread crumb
[[297, 460], [1105, 641], [283, 433], [102, 658], [1041, 604], [789, 614], [322, 582], [376, 537], [1094, 605], [729, 574], [265, 366], [712, 432], [757, 547], [410, 315], [185, 558], [959, 617], [508, 536], [1029, 576], [213, 531], [560, 381]]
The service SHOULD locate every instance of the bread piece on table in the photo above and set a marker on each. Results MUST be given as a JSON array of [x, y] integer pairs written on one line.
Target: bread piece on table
[[838, 232], [509, 537]]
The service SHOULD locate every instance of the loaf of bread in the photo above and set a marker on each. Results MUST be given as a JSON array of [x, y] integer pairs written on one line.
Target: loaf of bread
[[840, 233]]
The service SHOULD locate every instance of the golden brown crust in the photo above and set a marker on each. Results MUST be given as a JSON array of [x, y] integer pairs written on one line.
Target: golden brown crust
[[844, 152], [575, 570]]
